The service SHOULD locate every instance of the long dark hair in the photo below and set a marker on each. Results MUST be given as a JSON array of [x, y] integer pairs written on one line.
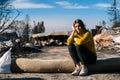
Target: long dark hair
[[81, 24]]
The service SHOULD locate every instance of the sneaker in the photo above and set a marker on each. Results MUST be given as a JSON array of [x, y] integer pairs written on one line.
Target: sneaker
[[76, 72], [84, 71]]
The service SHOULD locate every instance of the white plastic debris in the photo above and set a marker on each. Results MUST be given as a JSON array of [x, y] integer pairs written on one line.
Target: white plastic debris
[[116, 39], [5, 62]]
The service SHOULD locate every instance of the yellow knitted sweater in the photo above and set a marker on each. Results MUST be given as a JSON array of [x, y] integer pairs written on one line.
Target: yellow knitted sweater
[[86, 40]]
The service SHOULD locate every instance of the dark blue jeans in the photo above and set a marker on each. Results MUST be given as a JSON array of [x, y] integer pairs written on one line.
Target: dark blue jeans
[[81, 54]]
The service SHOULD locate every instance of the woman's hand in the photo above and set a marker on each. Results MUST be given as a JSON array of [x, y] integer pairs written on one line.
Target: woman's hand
[[75, 39], [73, 31], [73, 28]]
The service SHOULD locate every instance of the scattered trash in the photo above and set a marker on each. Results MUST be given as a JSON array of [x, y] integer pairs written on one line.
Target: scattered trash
[[5, 62]]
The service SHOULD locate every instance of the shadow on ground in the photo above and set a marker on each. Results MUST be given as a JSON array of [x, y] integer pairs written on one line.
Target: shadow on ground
[[22, 79]]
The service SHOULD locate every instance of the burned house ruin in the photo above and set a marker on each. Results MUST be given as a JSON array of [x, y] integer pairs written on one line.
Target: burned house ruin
[[50, 39]]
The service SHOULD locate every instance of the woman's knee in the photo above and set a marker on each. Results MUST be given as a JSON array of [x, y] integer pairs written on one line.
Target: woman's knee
[[80, 47], [71, 46]]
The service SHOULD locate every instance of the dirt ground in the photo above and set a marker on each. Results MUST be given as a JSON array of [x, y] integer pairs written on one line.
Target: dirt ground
[[62, 53]]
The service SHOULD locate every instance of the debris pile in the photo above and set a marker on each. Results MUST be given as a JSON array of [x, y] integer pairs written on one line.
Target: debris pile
[[50, 39], [107, 38]]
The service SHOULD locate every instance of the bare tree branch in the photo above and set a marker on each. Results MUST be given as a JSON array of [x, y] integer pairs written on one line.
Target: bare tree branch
[[10, 23], [5, 15]]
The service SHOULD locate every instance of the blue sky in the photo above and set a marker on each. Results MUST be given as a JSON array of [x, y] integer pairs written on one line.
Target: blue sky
[[58, 15]]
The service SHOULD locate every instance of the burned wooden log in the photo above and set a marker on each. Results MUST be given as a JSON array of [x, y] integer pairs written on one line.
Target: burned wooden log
[[61, 66], [38, 65]]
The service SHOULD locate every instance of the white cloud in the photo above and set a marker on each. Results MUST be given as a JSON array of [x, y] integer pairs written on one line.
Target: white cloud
[[27, 4], [20, 0], [118, 5], [103, 5], [68, 5]]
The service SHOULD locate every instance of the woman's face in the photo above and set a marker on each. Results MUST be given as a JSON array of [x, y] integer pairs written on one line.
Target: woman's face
[[77, 27]]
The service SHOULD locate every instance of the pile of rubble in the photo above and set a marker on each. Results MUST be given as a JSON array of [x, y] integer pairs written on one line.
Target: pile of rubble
[[5, 45], [106, 39]]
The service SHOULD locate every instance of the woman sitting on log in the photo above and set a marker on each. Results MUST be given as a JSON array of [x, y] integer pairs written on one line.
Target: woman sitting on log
[[81, 48]]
